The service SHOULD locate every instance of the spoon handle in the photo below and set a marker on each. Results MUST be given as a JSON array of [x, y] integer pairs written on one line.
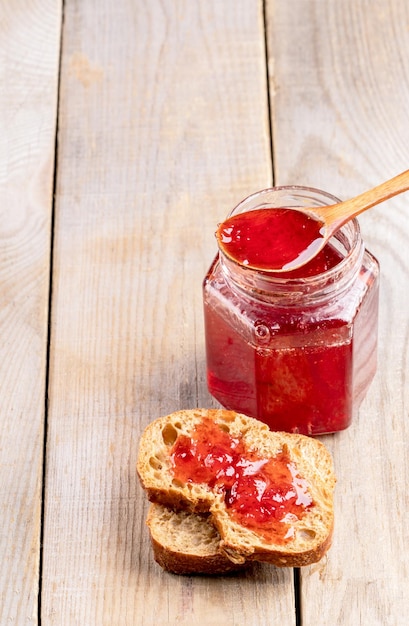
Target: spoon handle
[[338, 214]]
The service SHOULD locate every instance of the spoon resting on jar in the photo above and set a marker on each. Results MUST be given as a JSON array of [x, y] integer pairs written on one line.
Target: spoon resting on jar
[[282, 239]]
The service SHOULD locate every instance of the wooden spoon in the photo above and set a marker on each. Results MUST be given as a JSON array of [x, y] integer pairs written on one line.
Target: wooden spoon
[[312, 234], [336, 215]]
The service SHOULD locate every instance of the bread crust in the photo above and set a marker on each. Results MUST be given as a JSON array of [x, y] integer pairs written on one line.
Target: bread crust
[[187, 543], [312, 533]]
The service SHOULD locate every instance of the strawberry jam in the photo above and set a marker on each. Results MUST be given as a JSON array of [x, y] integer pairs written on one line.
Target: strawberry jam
[[261, 494], [295, 349], [269, 239]]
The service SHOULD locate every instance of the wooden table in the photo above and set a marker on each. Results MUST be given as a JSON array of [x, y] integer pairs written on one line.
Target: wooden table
[[128, 130]]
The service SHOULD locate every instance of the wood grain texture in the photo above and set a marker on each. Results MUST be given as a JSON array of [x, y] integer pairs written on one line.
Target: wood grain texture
[[29, 54], [339, 89], [163, 128]]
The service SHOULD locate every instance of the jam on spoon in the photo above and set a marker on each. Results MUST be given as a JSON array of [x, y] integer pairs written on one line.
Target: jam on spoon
[[282, 239]]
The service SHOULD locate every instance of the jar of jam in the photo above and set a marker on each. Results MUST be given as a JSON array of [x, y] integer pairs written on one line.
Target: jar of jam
[[295, 349]]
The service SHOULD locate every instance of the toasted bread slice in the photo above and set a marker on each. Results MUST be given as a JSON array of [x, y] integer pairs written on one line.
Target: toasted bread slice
[[291, 526], [187, 543]]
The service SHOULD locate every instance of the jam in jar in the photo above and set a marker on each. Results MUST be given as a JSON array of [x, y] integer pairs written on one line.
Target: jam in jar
[[294, 349]]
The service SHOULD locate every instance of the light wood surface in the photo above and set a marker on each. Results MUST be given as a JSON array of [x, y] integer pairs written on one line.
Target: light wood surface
[[169, 113], [29, 44]]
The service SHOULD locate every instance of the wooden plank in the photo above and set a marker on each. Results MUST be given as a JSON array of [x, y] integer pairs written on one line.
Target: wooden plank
[[163, 128], [340, 87], [29, 55]]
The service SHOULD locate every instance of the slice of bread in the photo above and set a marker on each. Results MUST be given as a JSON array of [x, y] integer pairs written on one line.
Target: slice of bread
[[299, 536], [187, 543]]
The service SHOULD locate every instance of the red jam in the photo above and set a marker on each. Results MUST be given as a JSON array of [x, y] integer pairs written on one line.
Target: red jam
[[261, 494], [269, 239], [295, 349]]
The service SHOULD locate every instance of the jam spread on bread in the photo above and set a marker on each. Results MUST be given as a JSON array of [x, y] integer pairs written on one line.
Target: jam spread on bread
[[265, 495]]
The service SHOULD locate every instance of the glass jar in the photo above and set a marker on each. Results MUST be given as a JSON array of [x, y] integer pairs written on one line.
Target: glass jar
[[296, 350]]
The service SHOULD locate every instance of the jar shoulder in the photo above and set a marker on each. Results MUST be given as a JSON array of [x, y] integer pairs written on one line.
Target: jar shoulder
[[339, 308]]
